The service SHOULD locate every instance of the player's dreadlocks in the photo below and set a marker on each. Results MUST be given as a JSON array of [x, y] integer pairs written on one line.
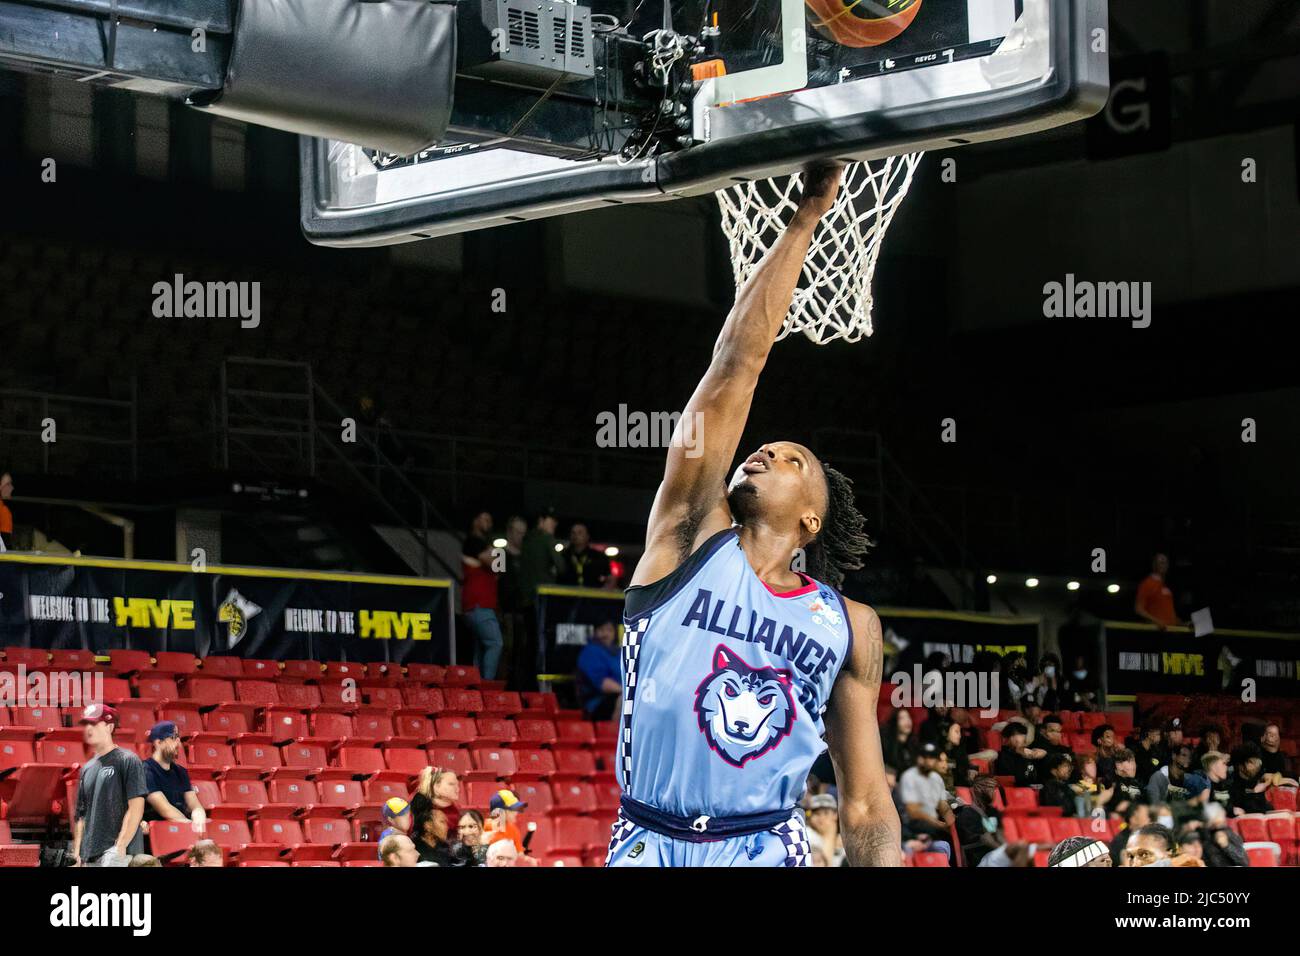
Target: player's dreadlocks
[[842, 543]]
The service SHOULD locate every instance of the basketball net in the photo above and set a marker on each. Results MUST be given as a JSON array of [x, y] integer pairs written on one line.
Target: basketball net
[[833, 300]]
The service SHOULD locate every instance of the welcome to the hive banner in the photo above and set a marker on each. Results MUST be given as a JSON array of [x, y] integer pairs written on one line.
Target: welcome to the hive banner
[[249, 612]]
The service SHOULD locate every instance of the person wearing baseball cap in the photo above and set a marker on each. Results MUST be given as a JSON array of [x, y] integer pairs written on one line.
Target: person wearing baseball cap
[[397, 814], [503, 813], [111, 792], [171, 795]]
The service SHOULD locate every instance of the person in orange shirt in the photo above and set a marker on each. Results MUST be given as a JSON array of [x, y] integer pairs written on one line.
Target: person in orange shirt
[[1155, 602], [6, 516], [501, 824]]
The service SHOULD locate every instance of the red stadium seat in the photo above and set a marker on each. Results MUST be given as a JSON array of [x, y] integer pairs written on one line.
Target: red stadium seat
[[244, 793], [608, 794], [262, 692], [384, 696], [1021, 800], [1282, 831], [462, 675], [204, 751], [365, 760], [572, 762], [498, 730], [175, 662], [170, 838], [73, 659], [1262, 856], [332, 726], [581, 733], [455, 730], [326, 826], [184, 714], [285, 723], [223, 666], [358, 863], [257, 751], [575, 834], [561, 859], [383, 787], [227, 720], [535, 793], [534, 731], [344, 670], [208, 792], [337, 694], [1283, 799], [462, 700], [411, 723], [1253, 829], [456, 759], [302, 670], [539, 701], [498, 761], [535, 761], [478, 794], [337, 790], [297, 694], [280, 830], [208, 690], [124, 661], [427, 700], [1063, 828], [426, 673], [295, 791], [307, 754], [65, 753], [1041, 857], [40, 719], [408, 759], [574, 796], [28, 789], [116, 689], [373, 723], [260, 669], [502, 702], [929, 859], [153, 686], [1033, 830]]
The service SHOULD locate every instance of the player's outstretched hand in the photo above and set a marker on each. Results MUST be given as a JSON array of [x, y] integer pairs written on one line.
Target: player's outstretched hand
[[821, 184]]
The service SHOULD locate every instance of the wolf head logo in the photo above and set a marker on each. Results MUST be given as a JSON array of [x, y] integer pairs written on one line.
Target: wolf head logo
[[743, 711]]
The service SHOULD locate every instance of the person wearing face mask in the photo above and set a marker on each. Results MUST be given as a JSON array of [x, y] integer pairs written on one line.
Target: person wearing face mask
[[977, 822], [1050, 682], [1080, 691]]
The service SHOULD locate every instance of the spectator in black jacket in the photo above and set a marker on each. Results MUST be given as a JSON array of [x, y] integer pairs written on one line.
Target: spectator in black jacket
[[1276, 764], [1248, 783], [977, 822], [1128, 790], [1149, 754], [1015, 759], [898, 742], [1056, 791], [1051, 735]]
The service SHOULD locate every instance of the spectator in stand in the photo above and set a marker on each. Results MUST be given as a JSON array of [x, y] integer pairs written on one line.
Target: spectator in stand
[[503, 816], [1220, 845], [953, 747], [145, 860], [1136, 817], [977, 822], [1056, 791], [6, 516], [1190, 845], [1128, 789], [1248, 783], [1173, 735], [1218, 778], [470, 834], [432, 845], [205, 853], [1017, 682], [502, 853], [397, 814], [1103, 741], [398, 850], [924, 797], [1211, 741], [1277, 766], [536, 569], [437, 789], [110, 796], [581, 566], [480, 565], [599, 673], [1016, 759], [510, 602], [824, 830], [1080, 851], [1051, 735], [898, 743], [1155, 602], [1089, 786], [1148, 752], [1032, 711], [171, 795], [1051, 682], [1152, 845], [1081, 689], [1169, 783]]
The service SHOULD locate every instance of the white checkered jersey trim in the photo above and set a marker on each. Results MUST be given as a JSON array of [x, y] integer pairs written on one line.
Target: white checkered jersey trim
[[798, 852], [632, 635]]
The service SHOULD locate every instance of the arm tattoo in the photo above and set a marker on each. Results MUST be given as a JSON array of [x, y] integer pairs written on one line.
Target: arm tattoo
[[875, 665]]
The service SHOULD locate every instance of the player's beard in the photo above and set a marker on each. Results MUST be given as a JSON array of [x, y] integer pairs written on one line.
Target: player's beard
[[743, 501]]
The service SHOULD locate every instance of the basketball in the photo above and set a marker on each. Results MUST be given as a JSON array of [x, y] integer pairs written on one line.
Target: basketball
[[862, 23]]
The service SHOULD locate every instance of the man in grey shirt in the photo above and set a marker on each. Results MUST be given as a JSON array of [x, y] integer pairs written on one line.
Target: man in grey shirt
[[111, 790]]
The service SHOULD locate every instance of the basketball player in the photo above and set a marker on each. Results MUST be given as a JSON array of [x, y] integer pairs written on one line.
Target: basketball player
[[731, 657]]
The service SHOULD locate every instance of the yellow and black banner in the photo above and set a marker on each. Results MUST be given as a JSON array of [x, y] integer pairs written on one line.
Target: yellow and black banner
[[1142, 659], [103, 605]]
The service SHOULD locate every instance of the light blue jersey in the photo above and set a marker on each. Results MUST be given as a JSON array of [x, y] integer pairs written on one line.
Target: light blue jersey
[[724, 687]]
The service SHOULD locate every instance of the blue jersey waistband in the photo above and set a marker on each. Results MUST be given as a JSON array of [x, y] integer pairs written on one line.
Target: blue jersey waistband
[[702, 828]]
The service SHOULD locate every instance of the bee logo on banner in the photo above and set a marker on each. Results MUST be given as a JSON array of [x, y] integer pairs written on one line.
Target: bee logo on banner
[[235, 612]]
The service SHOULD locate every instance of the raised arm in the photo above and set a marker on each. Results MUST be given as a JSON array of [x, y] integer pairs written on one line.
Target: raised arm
[[868, 821], [691, 502]]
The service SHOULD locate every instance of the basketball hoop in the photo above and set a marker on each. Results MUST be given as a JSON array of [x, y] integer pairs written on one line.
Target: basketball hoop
[[833, 300]]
